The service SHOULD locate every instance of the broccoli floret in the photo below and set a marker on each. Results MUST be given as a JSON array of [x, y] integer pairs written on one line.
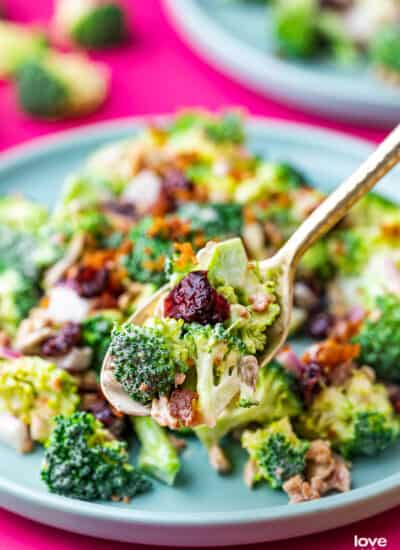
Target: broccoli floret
[[349, 250], [385, 47], [276, 396], [146, 262], [147, 358], [96, 333], [17, 44], [35, 391], [335, 38], [379, 339], [295, 27], [96, 25], [215, 220], [226, 129], [83, 461], [18, 294], [317, 261], [61, 85], [372, 209], [276, 451], [270, 178], [356, 417], [157, 456], [22, 215]]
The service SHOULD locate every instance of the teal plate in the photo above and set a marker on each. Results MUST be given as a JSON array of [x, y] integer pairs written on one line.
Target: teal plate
[[236, 36], [203, 509]]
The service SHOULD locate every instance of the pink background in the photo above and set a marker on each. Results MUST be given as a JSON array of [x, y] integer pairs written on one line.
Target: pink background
[[157, 73]]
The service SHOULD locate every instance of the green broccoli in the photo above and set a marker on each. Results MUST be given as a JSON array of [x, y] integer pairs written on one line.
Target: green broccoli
[[146, 262], [61, 85], [379, 339], [276, 451], [335, 38], [295, 27], [356, 417], [157, 456], [270, 178], [385, 47], [83, 460], [17, 44], [147, 358], [93, 25], [276, 396], [215, 220], [35, 391], [18, 295], [228, 128], [349, 250], [21, 215], [96, 333], [372, 209]]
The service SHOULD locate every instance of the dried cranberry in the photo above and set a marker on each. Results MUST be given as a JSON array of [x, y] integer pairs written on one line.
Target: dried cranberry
[[195, 301], [320, 325], [105, 414], [310, 379], [90, 282], [121, 208], [68, 337]]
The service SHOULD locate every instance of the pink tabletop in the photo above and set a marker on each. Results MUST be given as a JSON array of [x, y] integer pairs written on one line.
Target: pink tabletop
[[157, 73]]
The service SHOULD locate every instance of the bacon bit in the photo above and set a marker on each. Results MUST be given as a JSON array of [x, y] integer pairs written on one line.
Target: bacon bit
[[186, 254], [182, 405], [390, 230], [172, 228], [44, 302], [199, 241], [260, 301], [331, 353], [248, 215], [155, 265]]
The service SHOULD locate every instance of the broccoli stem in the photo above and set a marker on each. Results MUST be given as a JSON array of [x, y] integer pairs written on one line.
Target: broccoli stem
[[157, 456]]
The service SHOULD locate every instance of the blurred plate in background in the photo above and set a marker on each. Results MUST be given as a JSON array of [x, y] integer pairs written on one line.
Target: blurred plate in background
[[236, 37]]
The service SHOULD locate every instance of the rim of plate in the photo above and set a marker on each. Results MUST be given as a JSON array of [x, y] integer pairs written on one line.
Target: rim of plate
[[42, 146], [250, 63]]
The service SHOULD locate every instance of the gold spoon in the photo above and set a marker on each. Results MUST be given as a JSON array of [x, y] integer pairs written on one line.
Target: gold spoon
[[284, 262]]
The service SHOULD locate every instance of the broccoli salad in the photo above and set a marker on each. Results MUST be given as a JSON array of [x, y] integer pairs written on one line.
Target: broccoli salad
[[346, 32], [184, 208]]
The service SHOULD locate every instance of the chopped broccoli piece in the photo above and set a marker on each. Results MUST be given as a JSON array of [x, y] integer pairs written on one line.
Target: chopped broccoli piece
[[84, 461], [96, 333], [17, 252], [385, 47], [146, 262], [17, 45], [317, 261], [35, 391], [100, 27], [276, 396], [379, 339], [22, 215], [18, 294], [372, 209], [349, 250], [356, 417], [214, 220], [157, 456], [61, 85], [295, 27], [147, 358], [335, 38], [226, 129], [277, 452]]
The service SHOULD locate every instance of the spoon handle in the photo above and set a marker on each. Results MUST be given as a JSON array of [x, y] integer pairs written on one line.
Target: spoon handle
[[339, 202]]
